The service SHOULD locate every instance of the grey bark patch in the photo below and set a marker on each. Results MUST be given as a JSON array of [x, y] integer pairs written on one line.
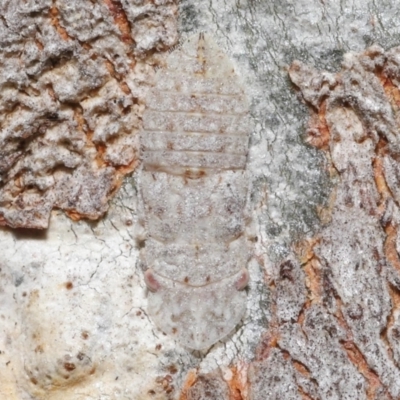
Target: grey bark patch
[[359, 245], [273, 378]]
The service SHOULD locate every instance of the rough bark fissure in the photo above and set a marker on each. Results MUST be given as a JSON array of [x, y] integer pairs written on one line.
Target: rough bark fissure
[[121, 19]]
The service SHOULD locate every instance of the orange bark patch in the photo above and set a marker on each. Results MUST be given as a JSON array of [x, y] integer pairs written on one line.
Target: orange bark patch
[[390, 246], [237, 385], [55, 21], [318, 130], [268, 341], [390, 229], [301, 368], [379, 176], [189, 382], [392, 92], [303, 394], [120, 18], [395, 297], [313, 280], [359, 361]]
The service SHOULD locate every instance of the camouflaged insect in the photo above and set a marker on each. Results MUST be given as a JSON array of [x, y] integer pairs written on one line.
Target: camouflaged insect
[[194, 194]]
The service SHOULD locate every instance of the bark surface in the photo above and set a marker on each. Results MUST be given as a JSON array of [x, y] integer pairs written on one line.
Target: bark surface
[[322, 319]]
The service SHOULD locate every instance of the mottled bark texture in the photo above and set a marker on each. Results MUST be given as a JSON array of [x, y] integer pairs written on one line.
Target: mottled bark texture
[[355, 120], [70, 79]]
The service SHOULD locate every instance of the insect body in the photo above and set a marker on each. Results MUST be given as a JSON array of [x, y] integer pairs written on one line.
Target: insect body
[[194, 192]]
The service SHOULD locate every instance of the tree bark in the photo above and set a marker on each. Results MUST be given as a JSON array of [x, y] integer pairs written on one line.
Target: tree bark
[[322, 318]]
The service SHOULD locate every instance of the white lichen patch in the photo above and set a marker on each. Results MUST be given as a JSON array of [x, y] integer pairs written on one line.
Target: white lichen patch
[[70, 332]]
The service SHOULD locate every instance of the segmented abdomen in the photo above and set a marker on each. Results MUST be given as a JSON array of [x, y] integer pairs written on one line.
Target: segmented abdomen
[[194, 191]]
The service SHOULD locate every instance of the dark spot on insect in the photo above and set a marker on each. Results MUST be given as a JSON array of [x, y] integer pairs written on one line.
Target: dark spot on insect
[[138, 313], [69, 285], [285, 270], [80, 356], [140, 243], [116, 378], [174, 330], [69, 366], [170, 146], [24, 294], [194, 173], [39, 349], [92, 371], [34, 381], [158, 347], [128, 222], [231, 208], [208, 279], [174, 318], [186, 280], [179, 209], [159, 211], [151, 392], [84, 335]]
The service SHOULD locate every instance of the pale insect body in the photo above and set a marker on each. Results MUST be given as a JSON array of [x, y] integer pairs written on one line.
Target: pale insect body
[[194, 194]]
